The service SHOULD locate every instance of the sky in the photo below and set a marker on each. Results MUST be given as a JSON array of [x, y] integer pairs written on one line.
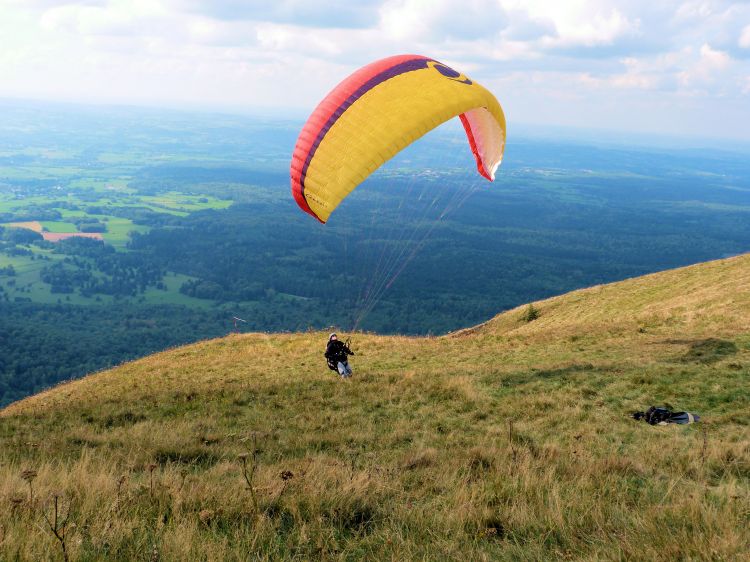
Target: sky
[[673, 67]]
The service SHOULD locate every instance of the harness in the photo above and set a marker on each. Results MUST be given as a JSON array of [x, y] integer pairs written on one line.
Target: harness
[[333, 363]]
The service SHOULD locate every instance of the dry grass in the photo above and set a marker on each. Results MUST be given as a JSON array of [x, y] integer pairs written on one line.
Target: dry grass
[[414, 457]]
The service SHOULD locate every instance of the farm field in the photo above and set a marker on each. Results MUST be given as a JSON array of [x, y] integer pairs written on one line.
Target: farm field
[[79, 203], [35, 226]]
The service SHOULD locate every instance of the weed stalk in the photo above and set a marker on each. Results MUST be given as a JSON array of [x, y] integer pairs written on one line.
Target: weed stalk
[[151, 469], [29, 475], [58, 524], [251, 473]]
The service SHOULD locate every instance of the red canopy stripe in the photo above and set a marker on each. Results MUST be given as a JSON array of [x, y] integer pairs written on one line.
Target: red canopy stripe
[[323, 114]]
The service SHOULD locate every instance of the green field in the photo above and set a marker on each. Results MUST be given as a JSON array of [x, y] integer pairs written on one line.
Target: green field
[[59, 226], [172, 202], [186, 203], [80, 197], [172, 294], [26, 284], [118, 230]]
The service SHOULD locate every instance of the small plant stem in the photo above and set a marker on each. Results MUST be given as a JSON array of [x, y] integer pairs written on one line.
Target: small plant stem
[[151, 468], [29, 475], [249, 480], [57, 526], [249, 477]]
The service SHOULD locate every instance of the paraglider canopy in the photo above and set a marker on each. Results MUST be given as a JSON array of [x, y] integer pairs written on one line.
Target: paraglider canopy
[[379, 110]]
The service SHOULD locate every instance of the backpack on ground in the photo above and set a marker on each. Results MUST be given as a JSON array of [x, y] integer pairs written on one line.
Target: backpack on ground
[[662, 416]]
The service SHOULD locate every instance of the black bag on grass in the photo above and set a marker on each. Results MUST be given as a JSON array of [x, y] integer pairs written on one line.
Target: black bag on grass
[[662, 416]]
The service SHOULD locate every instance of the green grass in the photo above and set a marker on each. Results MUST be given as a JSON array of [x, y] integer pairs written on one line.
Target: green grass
[[172, 295], [187, 203], [68, 214], [118, 230], [507, 441], [59, 226], [122, 158], [112, 188], [46, 170], [110, 193], [22, 264], [17, 173], [27, 284]]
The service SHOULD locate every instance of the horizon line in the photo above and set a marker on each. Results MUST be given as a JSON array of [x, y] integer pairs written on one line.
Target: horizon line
[[292, 114]]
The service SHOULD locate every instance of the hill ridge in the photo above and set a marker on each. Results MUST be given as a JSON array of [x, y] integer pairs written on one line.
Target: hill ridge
[[661, 297]]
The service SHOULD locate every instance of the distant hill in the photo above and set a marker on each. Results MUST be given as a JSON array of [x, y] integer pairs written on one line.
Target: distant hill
[[510, 440]]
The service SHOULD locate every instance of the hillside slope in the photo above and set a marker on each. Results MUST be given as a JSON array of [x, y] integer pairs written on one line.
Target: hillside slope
[[509, 440], [711, 298]]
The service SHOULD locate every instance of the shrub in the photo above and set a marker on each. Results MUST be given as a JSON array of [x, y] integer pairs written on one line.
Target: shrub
[[530, 314]]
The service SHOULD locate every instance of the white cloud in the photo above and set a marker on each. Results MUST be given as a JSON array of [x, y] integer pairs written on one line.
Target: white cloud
[[709, 66], [744, 41], [583, 57], [291, 39], [639, 74], [420, 20], [359, 14], [576, 22], [687, 71], [712, 59], [696, 9], [115, 18]]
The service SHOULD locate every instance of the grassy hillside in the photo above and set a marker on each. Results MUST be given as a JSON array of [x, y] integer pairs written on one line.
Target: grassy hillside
[[506, 441]]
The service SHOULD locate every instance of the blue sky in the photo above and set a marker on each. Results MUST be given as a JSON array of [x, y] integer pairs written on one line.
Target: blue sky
[[668, 66]]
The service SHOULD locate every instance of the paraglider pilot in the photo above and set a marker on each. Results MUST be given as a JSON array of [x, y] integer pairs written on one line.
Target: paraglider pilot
[[337, 353]]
